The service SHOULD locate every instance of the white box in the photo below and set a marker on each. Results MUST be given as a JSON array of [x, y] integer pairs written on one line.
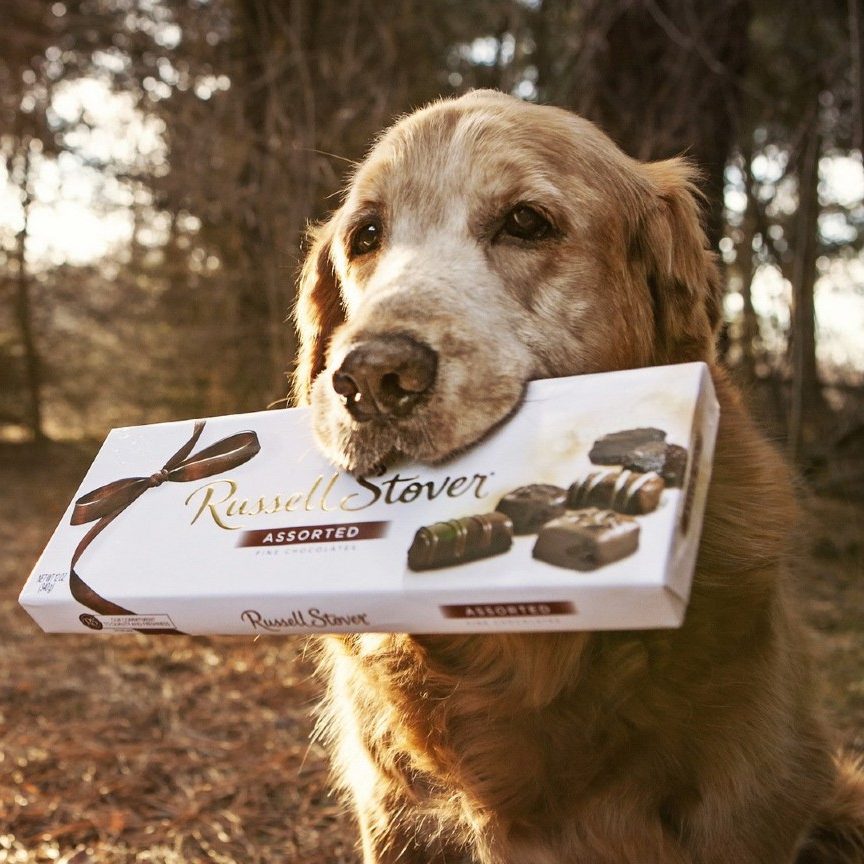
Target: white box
[[236, 550]]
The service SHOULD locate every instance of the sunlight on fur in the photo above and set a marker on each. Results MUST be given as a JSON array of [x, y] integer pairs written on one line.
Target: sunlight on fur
[[513, 241]]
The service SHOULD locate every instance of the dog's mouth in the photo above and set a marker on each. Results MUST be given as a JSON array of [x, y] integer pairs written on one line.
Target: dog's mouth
[[395, 396]]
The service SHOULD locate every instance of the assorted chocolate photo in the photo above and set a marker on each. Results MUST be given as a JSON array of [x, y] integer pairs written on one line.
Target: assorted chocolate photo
[[583, 527]]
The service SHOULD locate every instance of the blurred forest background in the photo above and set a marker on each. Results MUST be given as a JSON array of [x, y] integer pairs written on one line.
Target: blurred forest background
[[161, 159], [160, 162]]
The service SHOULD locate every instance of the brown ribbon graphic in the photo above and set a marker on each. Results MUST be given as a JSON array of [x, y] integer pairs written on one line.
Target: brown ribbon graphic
[[107, 502]]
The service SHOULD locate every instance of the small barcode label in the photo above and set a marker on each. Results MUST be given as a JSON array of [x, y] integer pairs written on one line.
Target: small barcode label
[[127, 622]]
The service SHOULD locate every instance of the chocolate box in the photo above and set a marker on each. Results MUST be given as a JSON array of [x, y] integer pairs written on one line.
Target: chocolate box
[[582, 511]]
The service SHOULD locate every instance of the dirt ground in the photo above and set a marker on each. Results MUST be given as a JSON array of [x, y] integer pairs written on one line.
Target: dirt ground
[[180, 749]]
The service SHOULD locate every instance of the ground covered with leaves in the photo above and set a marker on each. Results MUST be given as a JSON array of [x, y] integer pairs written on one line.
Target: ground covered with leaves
[[172, 750], [180, 750]]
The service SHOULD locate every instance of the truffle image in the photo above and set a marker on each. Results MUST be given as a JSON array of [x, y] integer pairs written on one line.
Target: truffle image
[[458, 541], [667, 460], [642, 450], [614, 448], [529, 507], [587, 539], [617, 489]]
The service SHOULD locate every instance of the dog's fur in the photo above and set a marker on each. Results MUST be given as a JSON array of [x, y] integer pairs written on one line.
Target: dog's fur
[[694, 745]]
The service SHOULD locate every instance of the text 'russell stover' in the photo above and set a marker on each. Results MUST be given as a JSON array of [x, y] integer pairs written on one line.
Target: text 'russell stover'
[[223, 501], [302, 619]]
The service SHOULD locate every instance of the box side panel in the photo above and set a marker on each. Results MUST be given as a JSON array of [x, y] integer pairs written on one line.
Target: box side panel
[[505, 611], [688, 531]]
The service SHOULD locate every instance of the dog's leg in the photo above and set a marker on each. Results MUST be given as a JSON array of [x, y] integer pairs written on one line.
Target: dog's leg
[[386, 796], [838, 834], [392, 844], [393, 830]]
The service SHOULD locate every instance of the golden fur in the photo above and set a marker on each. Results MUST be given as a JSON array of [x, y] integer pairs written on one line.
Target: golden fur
[[692, 746]]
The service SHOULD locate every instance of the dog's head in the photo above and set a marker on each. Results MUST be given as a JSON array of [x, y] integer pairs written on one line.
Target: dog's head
[[485, 242]]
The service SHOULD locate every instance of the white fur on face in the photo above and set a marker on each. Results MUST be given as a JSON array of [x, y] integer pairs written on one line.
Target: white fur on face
[[497, 311], [442, 294]]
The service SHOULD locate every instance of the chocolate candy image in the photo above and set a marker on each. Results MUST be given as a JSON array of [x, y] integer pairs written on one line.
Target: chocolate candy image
[[617, 489], [587, 539], [667, 460], [529, 507], [613, 448], [460, 540]]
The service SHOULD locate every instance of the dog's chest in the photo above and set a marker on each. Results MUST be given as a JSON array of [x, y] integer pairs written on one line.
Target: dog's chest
[[456, 744]]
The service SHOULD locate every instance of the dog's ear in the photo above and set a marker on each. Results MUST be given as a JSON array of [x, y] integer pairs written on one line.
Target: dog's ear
[[681, 272], [318, 310]]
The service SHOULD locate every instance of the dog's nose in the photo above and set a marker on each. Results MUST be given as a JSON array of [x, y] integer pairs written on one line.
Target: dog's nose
[[385, 376]]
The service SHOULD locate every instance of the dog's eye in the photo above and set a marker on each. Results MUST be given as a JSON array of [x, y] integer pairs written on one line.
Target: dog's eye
[[526, 223], [367, 238]]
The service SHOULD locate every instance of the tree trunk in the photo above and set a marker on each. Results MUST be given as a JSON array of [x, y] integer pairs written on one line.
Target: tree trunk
[[856, 50], [749, 333], [659, 76], [23, 308], [806, 401], [275, 44]]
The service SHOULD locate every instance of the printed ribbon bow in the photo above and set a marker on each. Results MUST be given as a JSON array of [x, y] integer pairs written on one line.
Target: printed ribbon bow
[[107, 502]]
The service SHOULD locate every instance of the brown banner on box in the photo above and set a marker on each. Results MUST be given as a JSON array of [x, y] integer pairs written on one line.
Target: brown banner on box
[[340, 532], [509, 610]]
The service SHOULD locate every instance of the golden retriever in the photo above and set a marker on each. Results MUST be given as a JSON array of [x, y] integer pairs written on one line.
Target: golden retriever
[[485, 242]]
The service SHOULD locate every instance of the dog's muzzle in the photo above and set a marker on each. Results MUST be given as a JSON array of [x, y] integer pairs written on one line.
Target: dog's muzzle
[[385, 376]]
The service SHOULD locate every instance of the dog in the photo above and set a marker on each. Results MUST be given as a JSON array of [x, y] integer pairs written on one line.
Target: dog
[[485, 242]]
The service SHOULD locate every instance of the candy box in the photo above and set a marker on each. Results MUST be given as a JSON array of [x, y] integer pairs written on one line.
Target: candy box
[[582, 511]]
